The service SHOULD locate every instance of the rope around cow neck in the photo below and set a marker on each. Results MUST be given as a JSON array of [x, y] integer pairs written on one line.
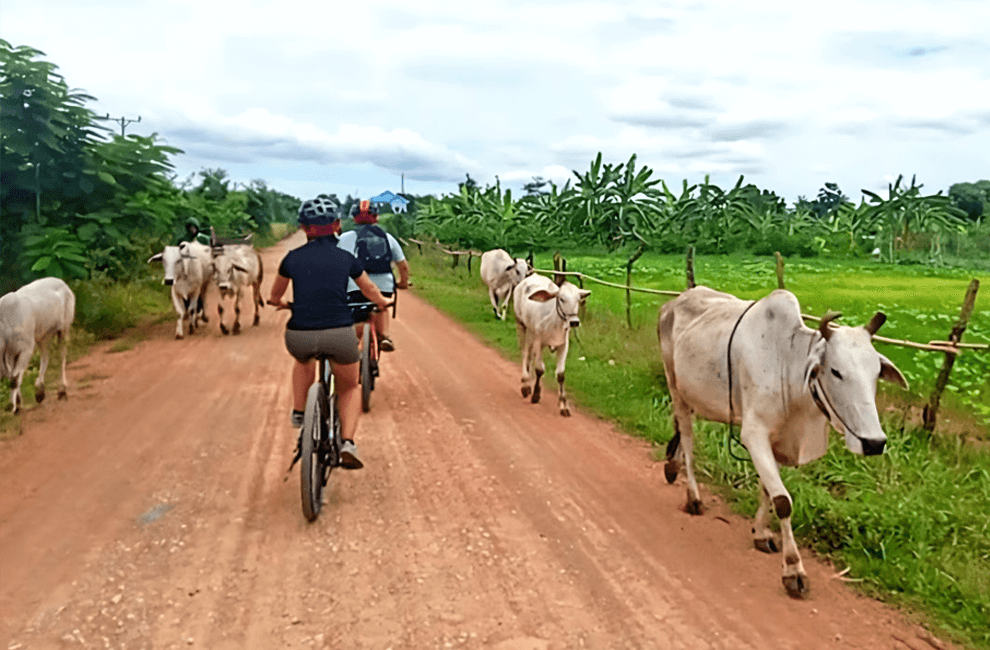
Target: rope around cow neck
[[729, 359]]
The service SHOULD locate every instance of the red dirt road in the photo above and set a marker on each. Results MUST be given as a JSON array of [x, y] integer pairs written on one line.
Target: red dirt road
[[151, 511]]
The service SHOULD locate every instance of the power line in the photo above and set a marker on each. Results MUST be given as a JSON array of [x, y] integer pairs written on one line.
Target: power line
[[122, 120]]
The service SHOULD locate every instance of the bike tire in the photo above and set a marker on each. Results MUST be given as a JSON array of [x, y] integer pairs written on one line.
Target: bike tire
[[367, 380], [312, 461]]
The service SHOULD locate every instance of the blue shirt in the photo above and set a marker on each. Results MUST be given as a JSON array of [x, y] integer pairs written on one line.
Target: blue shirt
[[320, 271]]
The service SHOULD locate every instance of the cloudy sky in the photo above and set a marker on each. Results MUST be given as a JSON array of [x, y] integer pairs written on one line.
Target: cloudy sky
[[348, 97]]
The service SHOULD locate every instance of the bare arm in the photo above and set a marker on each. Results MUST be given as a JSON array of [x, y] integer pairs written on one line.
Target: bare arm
[[279, 286], [403, 267], [372, 292]]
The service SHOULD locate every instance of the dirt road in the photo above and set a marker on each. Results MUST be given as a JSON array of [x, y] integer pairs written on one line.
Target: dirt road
[[152, 510]]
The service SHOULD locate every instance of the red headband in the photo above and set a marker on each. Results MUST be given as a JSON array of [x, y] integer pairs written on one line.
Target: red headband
[[323, 229]]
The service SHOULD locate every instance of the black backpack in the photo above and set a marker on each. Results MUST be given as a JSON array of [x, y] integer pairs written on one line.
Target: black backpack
[[373, 250]]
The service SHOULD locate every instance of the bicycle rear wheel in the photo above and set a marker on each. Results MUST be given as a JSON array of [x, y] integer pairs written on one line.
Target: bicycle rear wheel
[[367, 378], [314, 437]]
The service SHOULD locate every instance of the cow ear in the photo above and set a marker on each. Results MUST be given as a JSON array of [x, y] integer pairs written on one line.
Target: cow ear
[[157, 257], [583, 294], [816, 356], [542, 295], [889, 372]]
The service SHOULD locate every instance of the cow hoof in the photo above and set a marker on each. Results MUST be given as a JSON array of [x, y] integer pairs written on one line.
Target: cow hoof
[[525, 391], [237, 328], [767, 545], [205, 319], [257, 319], [693, 507], [796, 585], [566, 412], [670, 469], [178, 337], [63, 394], [535, 399], [224, 330], [39, 394]]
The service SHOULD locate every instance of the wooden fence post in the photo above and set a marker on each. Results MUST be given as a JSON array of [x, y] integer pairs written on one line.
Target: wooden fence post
[[930, 413], [690, 267], [559, 264], [629, 267], [780, 270], [454, 261], [469, 262]]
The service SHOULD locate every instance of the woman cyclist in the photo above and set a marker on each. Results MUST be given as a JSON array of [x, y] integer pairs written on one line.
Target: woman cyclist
[[321, 322]]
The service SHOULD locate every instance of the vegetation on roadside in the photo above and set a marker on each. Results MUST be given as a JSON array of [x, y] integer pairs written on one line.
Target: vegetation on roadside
[[912, 526]]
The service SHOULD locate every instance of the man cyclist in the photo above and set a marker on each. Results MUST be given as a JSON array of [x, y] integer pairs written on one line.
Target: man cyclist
[[321, 322], [377, 251]]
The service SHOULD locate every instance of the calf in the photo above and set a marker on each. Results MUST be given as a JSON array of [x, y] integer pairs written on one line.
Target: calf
[[187, 268], [30, 315], [234, 268], [501, 274], [545, 314], [757, 364]]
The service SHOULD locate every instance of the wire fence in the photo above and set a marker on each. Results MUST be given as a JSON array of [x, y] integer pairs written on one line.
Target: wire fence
[[951, 347]]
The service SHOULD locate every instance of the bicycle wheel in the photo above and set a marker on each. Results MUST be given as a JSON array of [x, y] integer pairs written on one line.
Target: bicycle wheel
[[367, 380], [312, 461]]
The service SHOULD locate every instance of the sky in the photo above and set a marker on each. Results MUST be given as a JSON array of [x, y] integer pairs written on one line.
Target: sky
[[361, 97]]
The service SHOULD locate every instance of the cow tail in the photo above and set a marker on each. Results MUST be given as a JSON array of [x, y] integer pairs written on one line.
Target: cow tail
[[673, 445], [261, 276]]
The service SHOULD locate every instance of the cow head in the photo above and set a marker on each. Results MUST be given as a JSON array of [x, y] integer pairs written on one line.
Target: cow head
[[170, 258], [842, 373], [517, 271], [568, 299], [224, 269]]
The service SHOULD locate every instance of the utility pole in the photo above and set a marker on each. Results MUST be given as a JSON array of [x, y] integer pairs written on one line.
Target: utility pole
[[403, 190], [123, 121]]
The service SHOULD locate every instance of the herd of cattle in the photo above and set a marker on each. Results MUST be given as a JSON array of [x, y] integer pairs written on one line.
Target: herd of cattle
[[752, 363]]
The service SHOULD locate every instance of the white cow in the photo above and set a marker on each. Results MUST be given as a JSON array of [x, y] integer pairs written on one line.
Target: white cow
[[33, 314], [501, 274], [235, 268], [545, 314], [786, 381], [187, 271]]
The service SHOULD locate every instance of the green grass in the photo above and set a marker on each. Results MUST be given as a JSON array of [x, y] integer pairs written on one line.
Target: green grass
[[913, 525]]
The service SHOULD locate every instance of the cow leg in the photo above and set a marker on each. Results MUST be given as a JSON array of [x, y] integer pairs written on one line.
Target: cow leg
[[538, 369], [223, 328], [493, 297], [764, 539], [684, 432], [258, 303], [15, 391], [180, 309], [63, 340], [524, 350], [756, 438], [561, 367], [39, 383], [237, 312]]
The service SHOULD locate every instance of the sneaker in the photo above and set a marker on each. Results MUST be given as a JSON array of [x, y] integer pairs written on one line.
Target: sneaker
[[297, 418], [385, 344], [349, 456]]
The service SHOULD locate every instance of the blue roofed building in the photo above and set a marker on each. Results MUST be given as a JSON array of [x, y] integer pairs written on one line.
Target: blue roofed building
[[398, 203]]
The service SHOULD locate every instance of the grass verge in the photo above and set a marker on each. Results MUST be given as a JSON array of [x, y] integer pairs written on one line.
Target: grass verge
[[912, 526]]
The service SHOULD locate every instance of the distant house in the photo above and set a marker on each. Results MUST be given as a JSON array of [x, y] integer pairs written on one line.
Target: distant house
[[398, 203]]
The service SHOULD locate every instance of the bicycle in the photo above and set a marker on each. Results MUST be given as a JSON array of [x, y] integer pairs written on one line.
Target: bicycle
[[370, 352], [320, 439]]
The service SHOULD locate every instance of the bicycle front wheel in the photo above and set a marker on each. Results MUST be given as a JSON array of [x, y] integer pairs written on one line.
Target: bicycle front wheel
[[313, 434], [367, 379]]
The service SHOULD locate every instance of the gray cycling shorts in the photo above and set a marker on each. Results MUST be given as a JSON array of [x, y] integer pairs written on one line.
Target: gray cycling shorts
[[340, 344]]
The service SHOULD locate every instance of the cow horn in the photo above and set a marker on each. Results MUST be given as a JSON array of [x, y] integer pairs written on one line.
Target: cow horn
[[826, 319], [876, 322]]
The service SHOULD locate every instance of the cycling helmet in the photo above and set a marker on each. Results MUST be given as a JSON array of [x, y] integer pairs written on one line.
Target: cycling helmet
[[364, 212], [317, 212]]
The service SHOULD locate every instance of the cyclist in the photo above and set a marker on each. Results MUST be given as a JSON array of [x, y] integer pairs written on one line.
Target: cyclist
[[194, 233], [321, 322], [377, 251]]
